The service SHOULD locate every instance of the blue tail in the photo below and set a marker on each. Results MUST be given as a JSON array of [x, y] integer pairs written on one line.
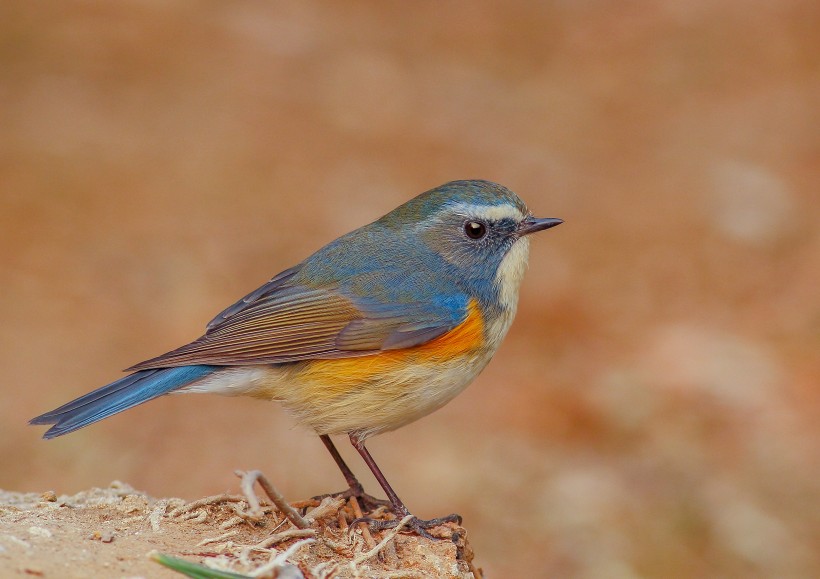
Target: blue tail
[[121, 395]]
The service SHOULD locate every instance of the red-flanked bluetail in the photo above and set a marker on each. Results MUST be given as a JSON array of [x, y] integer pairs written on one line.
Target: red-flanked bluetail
[[375, 330]]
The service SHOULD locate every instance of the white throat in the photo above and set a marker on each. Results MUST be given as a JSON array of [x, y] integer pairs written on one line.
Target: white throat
[[511, 272], [508, 281]]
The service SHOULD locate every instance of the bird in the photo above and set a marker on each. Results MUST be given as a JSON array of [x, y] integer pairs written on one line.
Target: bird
[[373, 331]]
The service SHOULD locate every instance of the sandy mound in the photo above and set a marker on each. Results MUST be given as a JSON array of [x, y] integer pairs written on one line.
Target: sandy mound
[[112, 532]]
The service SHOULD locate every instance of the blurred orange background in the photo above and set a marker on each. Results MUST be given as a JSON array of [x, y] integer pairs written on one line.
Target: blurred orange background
[[654, 410]]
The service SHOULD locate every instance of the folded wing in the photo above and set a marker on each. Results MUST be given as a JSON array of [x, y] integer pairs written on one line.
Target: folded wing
[[284, 321]]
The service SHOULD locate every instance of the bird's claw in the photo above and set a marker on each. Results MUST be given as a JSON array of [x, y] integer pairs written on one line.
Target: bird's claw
[[366, 502], [416, 525]]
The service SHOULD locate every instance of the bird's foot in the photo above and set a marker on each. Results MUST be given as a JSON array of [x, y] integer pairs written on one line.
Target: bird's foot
[[366, 502], [416, 525]]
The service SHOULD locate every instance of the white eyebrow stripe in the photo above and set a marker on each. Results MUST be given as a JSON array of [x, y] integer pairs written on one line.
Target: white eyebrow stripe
[[489, 212]]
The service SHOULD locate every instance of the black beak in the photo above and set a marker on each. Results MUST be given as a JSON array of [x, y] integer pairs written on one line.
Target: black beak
[[533, 224]]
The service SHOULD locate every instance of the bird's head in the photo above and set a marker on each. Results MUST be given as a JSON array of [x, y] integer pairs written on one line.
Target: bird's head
[[479, 227]]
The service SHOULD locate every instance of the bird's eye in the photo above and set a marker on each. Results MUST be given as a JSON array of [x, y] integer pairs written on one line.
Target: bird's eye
[[475, 229]]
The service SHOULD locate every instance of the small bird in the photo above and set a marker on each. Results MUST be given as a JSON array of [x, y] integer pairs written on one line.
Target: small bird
[[378, 328]]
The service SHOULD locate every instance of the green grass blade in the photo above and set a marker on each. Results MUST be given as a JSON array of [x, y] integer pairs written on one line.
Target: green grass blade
[[194, 570]]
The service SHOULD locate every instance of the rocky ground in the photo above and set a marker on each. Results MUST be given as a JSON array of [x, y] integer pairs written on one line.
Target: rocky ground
[[118, 532]]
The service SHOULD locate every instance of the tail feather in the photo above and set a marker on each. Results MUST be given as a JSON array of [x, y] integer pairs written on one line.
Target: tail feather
[[121, 395], [106, 391]]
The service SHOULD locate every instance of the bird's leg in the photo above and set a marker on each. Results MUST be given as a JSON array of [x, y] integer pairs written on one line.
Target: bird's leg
[[351, 479], [355, 488], [416, 524]]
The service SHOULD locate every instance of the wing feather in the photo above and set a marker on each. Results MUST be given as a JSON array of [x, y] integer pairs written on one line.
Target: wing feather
[[283, 321]]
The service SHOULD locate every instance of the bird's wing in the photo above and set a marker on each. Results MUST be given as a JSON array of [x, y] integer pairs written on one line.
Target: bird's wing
[[284, 321]]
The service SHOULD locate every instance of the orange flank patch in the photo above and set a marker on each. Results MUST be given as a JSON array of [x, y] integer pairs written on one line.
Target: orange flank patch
[[338, 376], [463, 339]]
